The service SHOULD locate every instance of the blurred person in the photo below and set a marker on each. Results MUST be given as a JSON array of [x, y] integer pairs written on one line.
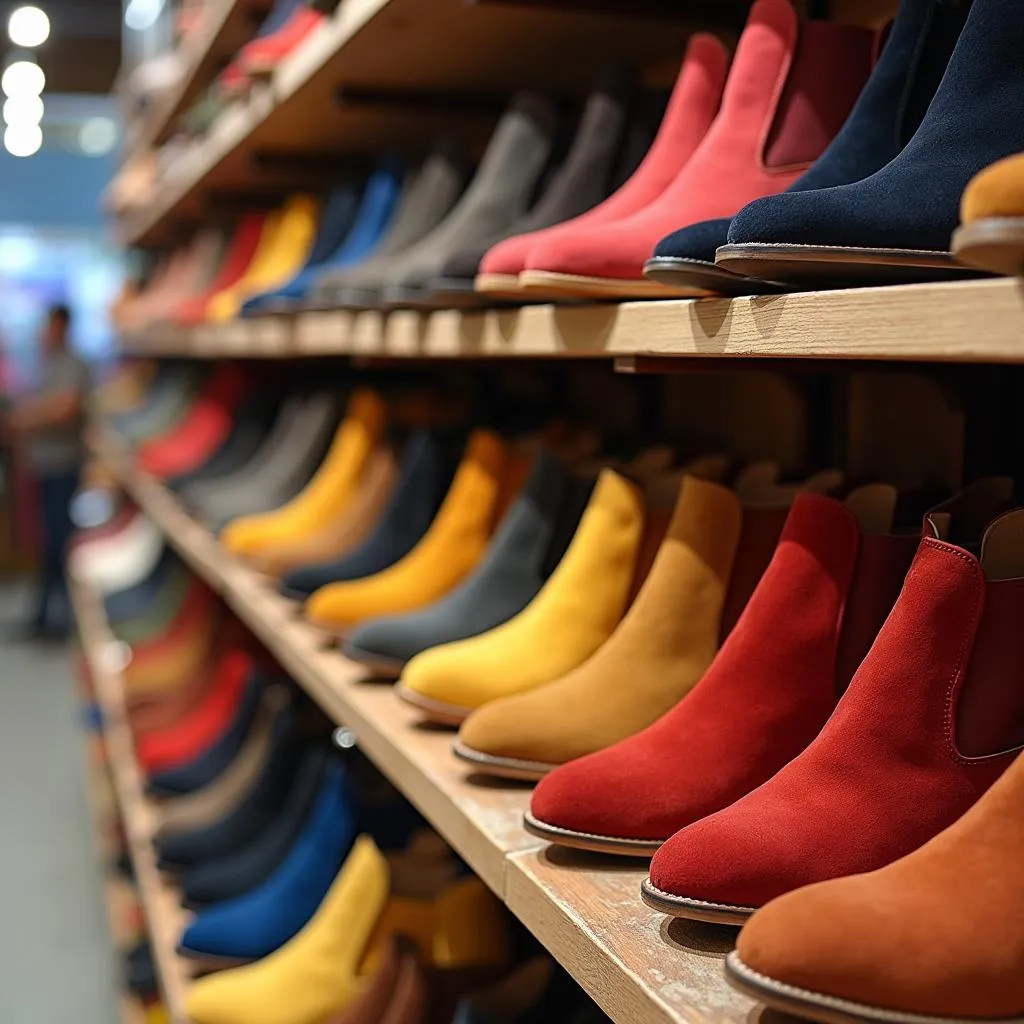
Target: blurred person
[[48, 424]]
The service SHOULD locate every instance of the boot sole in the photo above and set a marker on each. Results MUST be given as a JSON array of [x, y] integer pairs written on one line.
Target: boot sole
[[589, 842], [694, 910], [678, 272], [381, 666], [577, 286], [208, 963], [434, 710], [827, 266], [996, 244], [817, 1006], [503, 767], [500, 285]]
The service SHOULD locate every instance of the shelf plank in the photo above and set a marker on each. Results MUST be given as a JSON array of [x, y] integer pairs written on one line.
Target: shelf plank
[[972, 321], [440, 47], [637, 966], [161, 904]]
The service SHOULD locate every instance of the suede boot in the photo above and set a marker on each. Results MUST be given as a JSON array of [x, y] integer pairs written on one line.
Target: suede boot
[[840, 947], [992, 216], [768, 692], [766, 135], [896, 224], [914, 55], [915, 741]]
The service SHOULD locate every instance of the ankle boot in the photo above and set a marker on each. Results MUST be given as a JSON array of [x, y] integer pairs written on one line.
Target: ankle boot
[[992, 215], [840, 947], [896, 224], [709, 562], [690, 113], [767, 694], [766, 135], [913, 58], [912, 745]]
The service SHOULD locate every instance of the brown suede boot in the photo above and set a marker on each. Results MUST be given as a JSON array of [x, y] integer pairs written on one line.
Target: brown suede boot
[[937, 936]]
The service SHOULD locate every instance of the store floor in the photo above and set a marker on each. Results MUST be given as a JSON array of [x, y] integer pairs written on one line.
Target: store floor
[[56, 963]]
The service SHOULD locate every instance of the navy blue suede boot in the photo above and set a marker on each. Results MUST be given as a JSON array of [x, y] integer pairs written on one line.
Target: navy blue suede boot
[[895, 225], [884, 119]]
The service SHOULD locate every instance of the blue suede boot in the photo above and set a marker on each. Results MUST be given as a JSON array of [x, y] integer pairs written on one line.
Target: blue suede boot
[[895, 225], [885, 118]]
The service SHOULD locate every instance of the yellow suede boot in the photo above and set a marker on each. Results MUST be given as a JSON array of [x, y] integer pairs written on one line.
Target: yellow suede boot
[[283, 247], [573, 614], [319, 972], [653, 659], [326, 496], [445, 555], [992, 213]]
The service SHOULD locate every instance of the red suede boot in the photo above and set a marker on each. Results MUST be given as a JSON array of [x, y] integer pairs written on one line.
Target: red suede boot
[[790, 89], [690, 113], [770, 689], [203, 430], [262, 55], [919, 736]]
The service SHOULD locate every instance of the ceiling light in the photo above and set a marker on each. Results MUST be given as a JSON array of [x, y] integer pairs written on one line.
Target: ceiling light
[[28, 26], [23, 78], [142, 14], [97, 136], [23, 110], [22, 139]]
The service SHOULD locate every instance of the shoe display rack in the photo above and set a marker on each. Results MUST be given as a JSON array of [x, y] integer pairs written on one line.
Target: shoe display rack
[[588, 917], [161, 906]]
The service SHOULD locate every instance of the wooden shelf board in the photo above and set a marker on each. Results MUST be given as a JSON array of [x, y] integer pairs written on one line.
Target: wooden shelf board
[[440, 46], [637, 966], [160, 903], [972, 321]]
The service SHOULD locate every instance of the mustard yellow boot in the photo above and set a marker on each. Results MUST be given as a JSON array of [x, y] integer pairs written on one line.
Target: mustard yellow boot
[[654, 658], [992, 214], [573, 614], [326, 496], [325, 967], [283, 247], [445, 555]]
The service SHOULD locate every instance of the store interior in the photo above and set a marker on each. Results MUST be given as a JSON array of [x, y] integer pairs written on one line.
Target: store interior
[[511, 511]]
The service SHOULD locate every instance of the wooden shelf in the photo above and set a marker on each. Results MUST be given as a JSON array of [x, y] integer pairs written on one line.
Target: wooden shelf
[[225, 27], [586, 912], [972, 321], [337, 92], [161, 905]]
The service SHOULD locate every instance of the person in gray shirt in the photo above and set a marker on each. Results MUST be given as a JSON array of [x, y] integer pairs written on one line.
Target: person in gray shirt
[[49, 424]]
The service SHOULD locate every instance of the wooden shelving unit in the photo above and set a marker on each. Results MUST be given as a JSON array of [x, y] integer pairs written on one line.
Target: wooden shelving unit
[[384, 73], [586, 911], [161, 905], [971, 321]]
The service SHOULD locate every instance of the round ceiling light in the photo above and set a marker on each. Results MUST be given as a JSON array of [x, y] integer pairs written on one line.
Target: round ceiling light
[[22, 78], [23, 139], [28, 26]]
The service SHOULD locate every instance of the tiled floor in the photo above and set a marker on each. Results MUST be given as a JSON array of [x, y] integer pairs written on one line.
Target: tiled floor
[[56, 965]]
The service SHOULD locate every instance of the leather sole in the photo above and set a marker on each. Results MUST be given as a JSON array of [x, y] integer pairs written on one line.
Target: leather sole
[[817, 1006], [829, 266], [434, 710], [380, 665], [500, 285], [590, 842], [581, 287], [207, 963], [672, 270], [694, 910], [503, 767], [996, 244]]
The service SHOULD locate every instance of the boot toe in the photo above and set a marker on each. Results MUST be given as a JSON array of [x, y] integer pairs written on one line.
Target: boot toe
[[696, 242]]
